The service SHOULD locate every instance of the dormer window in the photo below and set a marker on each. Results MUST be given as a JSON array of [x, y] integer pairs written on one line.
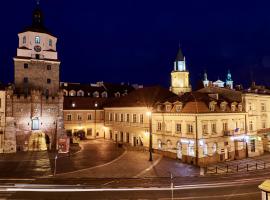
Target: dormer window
[[80, 93], [96, 94], [178, 108], [117, 94], [223, 106], [240, 108], [159, 108], [212, 106], [168, 108], [24, 39], [104, 95], [37, 40], [233, 108], [50, 42]]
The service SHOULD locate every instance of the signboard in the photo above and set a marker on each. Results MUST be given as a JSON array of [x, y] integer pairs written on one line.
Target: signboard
[[63, 144]]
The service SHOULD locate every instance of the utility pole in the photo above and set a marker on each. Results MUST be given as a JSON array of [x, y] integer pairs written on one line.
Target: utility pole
[[150, 136]]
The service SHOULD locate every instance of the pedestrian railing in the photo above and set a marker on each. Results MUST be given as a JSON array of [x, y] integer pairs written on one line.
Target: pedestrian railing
[[236, 167]]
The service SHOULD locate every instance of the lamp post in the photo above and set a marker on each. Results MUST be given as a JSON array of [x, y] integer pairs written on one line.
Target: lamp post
[[150, 136], [96, 105]]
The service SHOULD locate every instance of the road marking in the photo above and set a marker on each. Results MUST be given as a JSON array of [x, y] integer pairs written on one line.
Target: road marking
[[95, 167], [149, 168]]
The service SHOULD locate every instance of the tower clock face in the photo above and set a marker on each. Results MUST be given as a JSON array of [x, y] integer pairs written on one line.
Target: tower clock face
[[37, 48]]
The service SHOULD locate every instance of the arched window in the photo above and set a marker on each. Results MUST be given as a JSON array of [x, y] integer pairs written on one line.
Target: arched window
[[104, 94], [72, 93], [80, 93], [50, 42], [65, 92], [96, 94], [37, 40]]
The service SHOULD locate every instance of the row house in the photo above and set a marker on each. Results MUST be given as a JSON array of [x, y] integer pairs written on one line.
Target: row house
[[127, 119], [84, 117], [204, 127]]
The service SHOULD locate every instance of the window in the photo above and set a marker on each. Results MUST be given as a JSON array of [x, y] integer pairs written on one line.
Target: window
[[37, 40], [134, 118], [251, 125], [233, 108], [24, 39], [141, 118], [25, 66], [104, 95], [50, 42], [189, 128], [263, 107], [214, 128], [35, 124], [122, 117], [168, 108], [212, 107], [79, 117], [263, 124], [25, 80], [225, 126], [240, 108], [110, 117], [159, 126], [89, 117], [49, 81], [127, 117], [80, 93], [49, 67], [96, 94], [116, 117], [69, 117], [178, 128], [178, 108], [250, 107], [89, 132], [205, 128]]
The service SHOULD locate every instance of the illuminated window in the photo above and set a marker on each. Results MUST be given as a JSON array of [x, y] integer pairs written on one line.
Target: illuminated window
[[35, 124], [178, 108], [37, 40]]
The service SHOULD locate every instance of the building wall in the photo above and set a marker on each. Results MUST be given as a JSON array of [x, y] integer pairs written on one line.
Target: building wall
[[22, 111], [79, 120], [258, 109], [213, 146], [2, 118], [131, 132]]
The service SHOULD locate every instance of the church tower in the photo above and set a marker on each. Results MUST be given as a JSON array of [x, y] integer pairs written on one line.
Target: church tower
[[180, 76], [229, 81], [36, 63]]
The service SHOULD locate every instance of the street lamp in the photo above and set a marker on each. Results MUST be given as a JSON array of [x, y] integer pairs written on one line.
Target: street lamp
[[96, 105], [149, 114]]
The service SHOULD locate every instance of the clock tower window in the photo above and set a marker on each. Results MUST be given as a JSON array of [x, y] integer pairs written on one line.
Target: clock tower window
[[24, 39], [37, 40]]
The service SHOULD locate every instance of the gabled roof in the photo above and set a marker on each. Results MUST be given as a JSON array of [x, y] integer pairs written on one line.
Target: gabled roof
[[144, 97], [86, 103]]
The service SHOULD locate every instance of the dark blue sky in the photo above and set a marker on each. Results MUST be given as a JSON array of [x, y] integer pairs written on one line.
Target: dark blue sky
[[136, 41]]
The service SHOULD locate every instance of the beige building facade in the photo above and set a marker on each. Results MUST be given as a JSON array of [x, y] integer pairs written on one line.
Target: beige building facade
[[2, 117]]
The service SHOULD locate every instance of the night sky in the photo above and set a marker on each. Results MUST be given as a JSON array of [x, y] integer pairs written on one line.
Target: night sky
[[136, 41]]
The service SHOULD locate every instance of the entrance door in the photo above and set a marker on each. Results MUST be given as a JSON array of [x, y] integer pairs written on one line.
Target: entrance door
[[35, 124], [121, 137]]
